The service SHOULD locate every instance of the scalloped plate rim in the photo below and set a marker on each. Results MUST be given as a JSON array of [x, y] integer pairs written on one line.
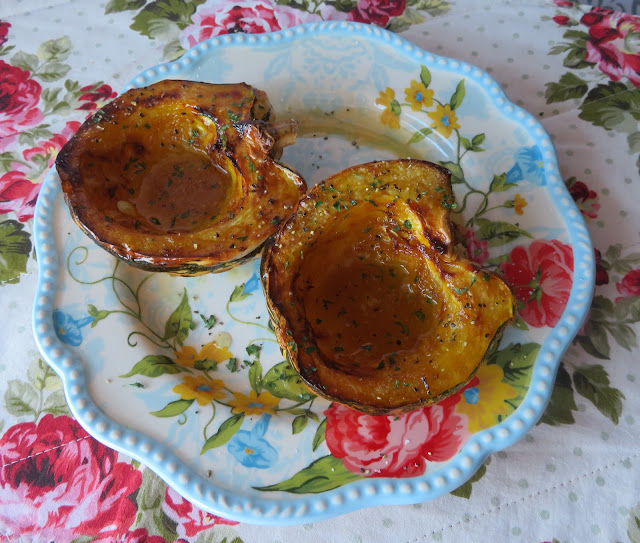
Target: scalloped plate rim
[[364, 493]]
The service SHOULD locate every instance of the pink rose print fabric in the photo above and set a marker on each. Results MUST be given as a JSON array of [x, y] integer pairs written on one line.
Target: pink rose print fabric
[[19, 97], [191, 520], [223, 17], [57, 483], [612, 45]]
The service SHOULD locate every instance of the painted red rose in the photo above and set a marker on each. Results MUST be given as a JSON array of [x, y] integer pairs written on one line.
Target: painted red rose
[[613, 43], [585, 198], [477, 249], [18, 194], [19, 97], [394, 446], [602, 275], [57, 483], [562, 20], [93, 95], [137, 536], [190, 519], [4, 32], [377, 12], [629, 285], [541, 276], [248, 16]]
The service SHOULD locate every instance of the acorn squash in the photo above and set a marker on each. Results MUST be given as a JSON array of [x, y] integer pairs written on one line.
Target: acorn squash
[[369, 301], [181, 176]]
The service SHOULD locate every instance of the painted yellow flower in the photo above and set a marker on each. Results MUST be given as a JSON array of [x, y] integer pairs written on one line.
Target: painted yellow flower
[[391, 114], [188, 356], [254, 404], [418, 95], [485, 401], [519, 203], [444, 120], [201, 389]]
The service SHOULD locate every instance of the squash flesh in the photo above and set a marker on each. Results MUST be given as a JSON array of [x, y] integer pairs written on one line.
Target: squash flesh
[[179, 176], [371, 305]]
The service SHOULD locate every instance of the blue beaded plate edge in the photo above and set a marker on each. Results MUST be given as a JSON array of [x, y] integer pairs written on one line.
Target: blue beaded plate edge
[[370, 492]]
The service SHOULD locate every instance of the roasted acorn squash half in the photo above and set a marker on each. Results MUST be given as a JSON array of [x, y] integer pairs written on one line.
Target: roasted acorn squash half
[[181, 176], [369, 302]]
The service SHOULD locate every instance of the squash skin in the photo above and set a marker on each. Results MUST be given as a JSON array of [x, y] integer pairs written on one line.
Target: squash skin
[[180, 176], [369, 302]]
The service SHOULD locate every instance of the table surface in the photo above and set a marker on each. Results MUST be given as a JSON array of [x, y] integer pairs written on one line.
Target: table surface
[[574, 477]]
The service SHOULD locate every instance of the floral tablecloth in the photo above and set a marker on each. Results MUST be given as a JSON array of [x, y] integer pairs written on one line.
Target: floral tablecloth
[[574, 477]]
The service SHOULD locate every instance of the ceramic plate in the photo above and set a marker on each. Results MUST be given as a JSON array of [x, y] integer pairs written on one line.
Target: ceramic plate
[[184, 374]]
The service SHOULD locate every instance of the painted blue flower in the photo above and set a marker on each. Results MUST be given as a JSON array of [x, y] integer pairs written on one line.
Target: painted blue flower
[[251, 449], [472, 395], [68, 329], [528, 166], [252, 284]]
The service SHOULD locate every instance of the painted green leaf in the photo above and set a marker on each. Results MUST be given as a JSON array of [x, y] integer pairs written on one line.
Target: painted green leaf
[[117, 6], [612, 106], [154, 365], [173, 409], [425, 75], [498, 233], [97, 315], [15, 247], [516, 361], [498, 183], [592, 382], [562, 403], [457, 174], [319, 436], [226, 431], [255, 376], [284, 382], [458, 96], [466, 144], [322, 475], [464, 490], [478, 139], [179, 322], [55, 50], [205, 364], [299, 423], [396, 109], [239, 294], [162, 19], [419, 135], [570, 86], [20, 399]]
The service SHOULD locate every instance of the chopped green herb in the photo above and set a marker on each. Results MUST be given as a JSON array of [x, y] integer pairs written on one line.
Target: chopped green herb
[[407, 224], [254, 350], [137, 385], [232, 365], [310, 350], [380, 365], [420, 315], [209, 322]]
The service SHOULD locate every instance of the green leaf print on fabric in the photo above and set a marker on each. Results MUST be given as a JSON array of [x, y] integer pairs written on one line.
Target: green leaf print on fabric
[[570, 86], [592, 382], [562, 403], [465, 490], [15, 248]]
